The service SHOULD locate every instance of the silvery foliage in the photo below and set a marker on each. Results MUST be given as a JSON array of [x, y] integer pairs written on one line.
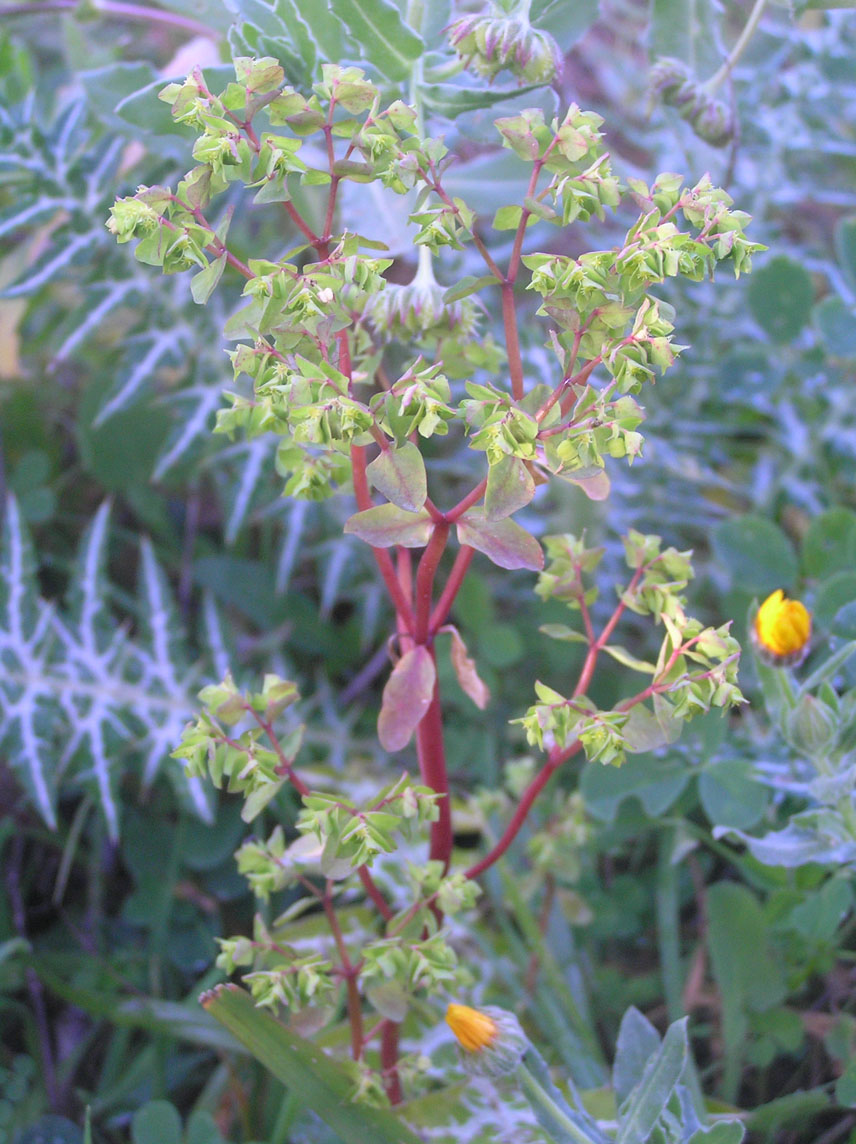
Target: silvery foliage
[[83, 699], [66, 171]]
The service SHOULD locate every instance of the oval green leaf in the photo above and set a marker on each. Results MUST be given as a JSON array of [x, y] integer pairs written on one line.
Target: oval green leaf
[[502, 541], [400, 475], [387, 524]]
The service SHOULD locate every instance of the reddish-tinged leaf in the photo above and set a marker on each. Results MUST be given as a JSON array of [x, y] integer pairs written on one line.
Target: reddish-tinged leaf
[[509, 487], [400, 475], [388, 524], [502, 541], [593, 481], [465, 670], [406, 698]]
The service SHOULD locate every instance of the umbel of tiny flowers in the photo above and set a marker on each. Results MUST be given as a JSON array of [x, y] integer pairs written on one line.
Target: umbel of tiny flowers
[[420, 308], [782, 630], [501, 38], [491, 1040]]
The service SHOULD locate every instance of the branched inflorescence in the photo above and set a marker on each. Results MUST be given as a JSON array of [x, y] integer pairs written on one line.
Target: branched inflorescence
[[313, 366]]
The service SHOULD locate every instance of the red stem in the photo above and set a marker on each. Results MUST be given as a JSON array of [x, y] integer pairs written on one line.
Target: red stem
[[512, 341], [375, 894], [382, 557], [467, 502], [432, 767], [389, 1061], [452, 587], [301, 224], [597, 645], [425, 574], [554, 761], [355, 1009]]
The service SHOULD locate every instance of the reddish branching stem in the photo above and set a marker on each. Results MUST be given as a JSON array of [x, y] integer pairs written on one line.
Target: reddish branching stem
[[382, 557], [432, 767], [425, 574], [451, 588], [389, 1061]]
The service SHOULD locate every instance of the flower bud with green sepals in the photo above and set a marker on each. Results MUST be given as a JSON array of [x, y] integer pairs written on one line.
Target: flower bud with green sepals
[[419, 309], [490, 1039], [492, 41], [812, 727], [678, 88]]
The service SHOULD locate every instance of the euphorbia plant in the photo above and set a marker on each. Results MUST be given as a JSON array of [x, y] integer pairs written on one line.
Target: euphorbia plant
[[355, 374]]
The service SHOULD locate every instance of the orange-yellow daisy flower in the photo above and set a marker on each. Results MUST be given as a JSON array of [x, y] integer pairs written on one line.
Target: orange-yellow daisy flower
[[474, 1030], [782, 629]]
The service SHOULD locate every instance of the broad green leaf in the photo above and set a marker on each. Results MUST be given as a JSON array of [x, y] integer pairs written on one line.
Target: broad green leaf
[[781, 296], [749, 976], [845, 239], [323, 24], [383, 36], [829, 545], [836, 323], [166, 1018], [646, 731], [400, 475], [450, 100], [833, 594], [157, 1122], [595, 484], [502, 541], [683, 29], [507, 218], [566, 22], [203, 284], [845, 1086], [406, 698], [563, 1123], [670, 31], [321, 1083], [509, 487], [387, 524], [726, 1132], [656, 783], [756, 553], [647, 1101], [637, 1042], [844, 622], [822, 912], [830, 667], [467, 286], [731, 794], [623, 656], [562, 632]]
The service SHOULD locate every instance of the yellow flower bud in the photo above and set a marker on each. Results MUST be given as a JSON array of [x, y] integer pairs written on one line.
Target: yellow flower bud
[[491, 1040], [474, 1030], [782, 630]]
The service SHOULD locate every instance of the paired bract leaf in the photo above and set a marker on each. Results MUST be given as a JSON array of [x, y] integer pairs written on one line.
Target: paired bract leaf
[[387, 524], [400, 475], [503, 541], [406, 698]]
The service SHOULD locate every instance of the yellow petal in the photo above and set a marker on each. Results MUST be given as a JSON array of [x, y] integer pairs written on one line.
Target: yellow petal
[[474, 1030]]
